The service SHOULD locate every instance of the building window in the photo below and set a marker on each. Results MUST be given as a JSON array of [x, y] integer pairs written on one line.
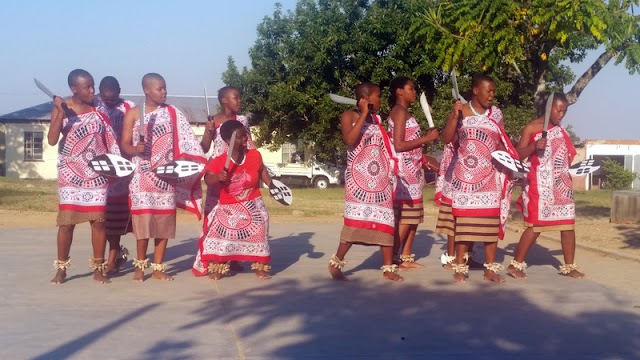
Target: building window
[[33, 145], [288, 149]]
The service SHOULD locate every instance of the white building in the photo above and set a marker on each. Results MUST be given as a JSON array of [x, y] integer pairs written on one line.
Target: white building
[[625, 152]]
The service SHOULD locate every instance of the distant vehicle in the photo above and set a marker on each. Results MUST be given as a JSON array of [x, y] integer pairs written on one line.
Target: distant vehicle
[[312, 173]]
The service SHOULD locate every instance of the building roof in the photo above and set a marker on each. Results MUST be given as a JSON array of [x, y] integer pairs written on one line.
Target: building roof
[[194, 108]]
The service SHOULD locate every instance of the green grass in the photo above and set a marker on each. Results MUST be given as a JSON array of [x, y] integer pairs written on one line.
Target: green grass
[[42, 195]]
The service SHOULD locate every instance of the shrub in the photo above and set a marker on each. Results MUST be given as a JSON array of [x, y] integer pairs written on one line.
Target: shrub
[[617, 177]]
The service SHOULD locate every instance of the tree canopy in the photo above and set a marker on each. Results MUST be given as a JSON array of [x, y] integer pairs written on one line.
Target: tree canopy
[[326, 46]]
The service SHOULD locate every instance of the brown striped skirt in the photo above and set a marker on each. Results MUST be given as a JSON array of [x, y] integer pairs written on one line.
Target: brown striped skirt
[[351, 235], [409, 214], [463, 228], [117, 217], [546, 228]]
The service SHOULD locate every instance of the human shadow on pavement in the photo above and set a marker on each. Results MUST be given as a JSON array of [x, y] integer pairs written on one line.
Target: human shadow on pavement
[[70, 348], [538, 254], [289, 319], [288, 250]]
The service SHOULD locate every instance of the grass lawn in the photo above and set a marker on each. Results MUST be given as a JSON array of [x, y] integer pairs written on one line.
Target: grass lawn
[[41, 195]]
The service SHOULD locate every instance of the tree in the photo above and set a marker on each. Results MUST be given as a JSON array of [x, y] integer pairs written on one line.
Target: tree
[[325, 46], [529, 42]]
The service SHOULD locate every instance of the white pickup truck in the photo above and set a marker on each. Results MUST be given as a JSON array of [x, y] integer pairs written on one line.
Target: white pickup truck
[[312, 173]]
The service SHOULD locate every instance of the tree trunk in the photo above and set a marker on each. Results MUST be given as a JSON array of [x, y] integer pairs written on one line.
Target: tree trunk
[[588, 75]]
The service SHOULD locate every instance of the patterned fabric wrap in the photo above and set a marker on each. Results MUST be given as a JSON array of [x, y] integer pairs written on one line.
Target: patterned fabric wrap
[[168, 136], [479, 187], [238, 232], [410, 175], [369, 180], [220, 147], [443, 188], [547, 197], [119, 187], [85, 136]]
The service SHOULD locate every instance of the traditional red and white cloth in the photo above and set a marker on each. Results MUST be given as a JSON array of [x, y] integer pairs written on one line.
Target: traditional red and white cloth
[[168, 137], [220, 147], [84, 137], [547, 197], [479, 187], [239, 223], [410, 175], [443, 188], [370, 180]]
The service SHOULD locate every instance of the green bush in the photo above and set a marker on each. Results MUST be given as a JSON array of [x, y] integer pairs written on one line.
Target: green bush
[[617, 177]]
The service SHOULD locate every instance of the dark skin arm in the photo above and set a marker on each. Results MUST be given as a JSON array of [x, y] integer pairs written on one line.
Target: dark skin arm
[[525, 148], [126, 144], [352, 123], [57, 115], [400, 115], [209, 134], [449, 133], [215, 178]]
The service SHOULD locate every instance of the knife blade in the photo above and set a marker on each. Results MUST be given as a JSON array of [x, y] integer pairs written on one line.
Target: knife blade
[[50, 94], [141, 112], [232, 143], [456, 93], [206, 101], [547, 115], [425, 108], [343, 100]]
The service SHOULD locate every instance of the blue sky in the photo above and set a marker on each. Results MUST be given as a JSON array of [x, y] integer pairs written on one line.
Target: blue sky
[[188, 42]]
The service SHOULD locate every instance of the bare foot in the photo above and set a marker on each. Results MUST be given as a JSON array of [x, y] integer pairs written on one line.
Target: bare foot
[[516, 273], [99, 277], [336, 273], [159, 275], [392, 276], [575, 274], [235, 266], [459, 277], [492, 276], [138, 275], [262, 275], [448, 266], [215, 276], [60, 276], [406, 266]]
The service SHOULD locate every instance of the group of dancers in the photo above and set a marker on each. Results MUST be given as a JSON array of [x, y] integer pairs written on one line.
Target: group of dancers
[[383, 181]]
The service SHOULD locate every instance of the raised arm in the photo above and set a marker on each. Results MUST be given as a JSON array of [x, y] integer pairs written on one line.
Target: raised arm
[[57, 115], [352, 123], [399, 116], [209, 134], [450, 129]]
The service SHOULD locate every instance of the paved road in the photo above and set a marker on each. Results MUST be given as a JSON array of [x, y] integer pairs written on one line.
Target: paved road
[[301, 314]]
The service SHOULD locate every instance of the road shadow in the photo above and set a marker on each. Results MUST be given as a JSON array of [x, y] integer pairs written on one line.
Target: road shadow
[[375, 320], [631, 235], [72, 347]]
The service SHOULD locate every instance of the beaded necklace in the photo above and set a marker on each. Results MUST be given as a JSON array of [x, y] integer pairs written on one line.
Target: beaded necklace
[[475, 112]]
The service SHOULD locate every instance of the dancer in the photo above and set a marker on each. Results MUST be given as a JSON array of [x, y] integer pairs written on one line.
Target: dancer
[[547, 197], [238, 226], [230, 103], [117, 216], [86, 133], [153, 200], [405, 137], [480, 189], [371, 168]]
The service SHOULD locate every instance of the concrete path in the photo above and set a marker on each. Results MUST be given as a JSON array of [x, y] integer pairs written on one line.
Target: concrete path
[[302, 314]]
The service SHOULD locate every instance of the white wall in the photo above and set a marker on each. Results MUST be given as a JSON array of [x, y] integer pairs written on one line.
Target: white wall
[[16, 166]]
